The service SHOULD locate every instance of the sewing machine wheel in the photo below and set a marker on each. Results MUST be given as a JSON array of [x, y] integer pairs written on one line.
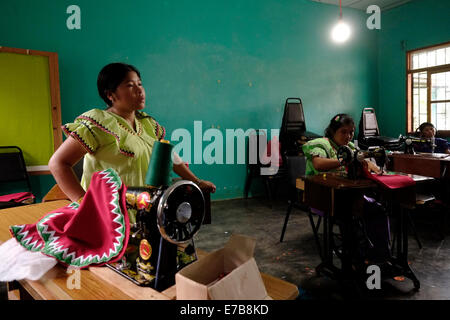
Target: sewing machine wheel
[[180, 212], [345, 154]]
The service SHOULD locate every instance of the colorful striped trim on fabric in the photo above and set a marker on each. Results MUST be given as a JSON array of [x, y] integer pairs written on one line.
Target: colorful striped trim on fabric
[[158, 129], [115, 135], [77, 137], [54, 249], [139, 128], [24, 240]]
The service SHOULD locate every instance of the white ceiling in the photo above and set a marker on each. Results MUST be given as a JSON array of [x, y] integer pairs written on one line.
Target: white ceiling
[[363, 4]]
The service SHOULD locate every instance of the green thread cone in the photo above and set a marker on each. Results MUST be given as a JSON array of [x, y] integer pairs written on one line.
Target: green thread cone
[[158, 173]]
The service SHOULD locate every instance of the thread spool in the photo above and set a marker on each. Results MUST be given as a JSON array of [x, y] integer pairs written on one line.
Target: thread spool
[[158, 173]]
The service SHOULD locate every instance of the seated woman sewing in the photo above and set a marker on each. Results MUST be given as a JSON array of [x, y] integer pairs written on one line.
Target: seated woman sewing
[[321, 153], [350, 210], [428, 131], [120, 137]]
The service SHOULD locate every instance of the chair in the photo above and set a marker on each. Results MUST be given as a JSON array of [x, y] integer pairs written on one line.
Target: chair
[[296, 166], [293, 132], [257, 148], [13, 174], [369, 133], [422, 201]]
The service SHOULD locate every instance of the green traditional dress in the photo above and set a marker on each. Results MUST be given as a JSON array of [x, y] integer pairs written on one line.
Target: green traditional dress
[[112, 143], [324, 148]]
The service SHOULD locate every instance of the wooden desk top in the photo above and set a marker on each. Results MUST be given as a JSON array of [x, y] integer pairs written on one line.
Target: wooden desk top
[[426, 164], [428, 156], [339, 182], [101, 283]]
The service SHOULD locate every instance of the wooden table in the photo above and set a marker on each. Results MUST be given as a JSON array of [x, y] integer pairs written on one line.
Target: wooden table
[[435, 165], [329, 193], [100, 283], [322, 192]]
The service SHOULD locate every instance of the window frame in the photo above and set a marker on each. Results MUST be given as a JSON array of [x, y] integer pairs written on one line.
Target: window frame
[[410, 91]]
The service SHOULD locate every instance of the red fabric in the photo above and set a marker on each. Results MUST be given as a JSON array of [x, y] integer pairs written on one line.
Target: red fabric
[[16, 197], [266, 157], [93, 233], [390, 181]]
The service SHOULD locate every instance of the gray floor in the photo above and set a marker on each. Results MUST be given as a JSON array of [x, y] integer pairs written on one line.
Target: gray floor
[[295, 259]]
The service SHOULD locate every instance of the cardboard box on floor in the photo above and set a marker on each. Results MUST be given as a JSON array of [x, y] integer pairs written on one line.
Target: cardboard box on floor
[[200, 280]]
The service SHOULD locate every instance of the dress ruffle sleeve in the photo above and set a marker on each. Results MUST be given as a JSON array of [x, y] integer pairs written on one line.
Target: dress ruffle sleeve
[[315, 148], [82, 131]]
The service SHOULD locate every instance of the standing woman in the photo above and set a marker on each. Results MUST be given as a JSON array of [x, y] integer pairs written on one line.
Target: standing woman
[[120, 137]]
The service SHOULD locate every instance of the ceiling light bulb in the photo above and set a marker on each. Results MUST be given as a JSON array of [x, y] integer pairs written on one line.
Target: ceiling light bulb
[[341, 32]]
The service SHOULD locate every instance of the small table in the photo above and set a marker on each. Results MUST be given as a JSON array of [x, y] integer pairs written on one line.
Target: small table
[[436, 165], [99, 283], [322, 193]]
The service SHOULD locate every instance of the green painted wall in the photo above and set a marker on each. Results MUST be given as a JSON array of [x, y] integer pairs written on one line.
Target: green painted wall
[[417, 24], [230, 63]]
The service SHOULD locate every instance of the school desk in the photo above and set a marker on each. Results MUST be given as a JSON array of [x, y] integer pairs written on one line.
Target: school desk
[[329, 193], [99, 283], [435, 165]]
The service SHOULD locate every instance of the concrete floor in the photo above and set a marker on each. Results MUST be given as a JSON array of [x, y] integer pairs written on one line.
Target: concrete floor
[[295, 259]]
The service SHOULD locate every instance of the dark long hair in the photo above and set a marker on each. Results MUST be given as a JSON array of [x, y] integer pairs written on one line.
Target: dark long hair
[[424, 125], [338, 121], [110, 77]]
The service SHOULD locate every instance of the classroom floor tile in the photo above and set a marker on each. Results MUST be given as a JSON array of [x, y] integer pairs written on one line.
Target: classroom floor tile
[[295, 259]]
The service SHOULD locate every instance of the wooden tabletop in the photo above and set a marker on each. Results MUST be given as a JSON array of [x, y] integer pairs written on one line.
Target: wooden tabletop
[[337, 181], [429, 156], [434, 165], [101, 283]]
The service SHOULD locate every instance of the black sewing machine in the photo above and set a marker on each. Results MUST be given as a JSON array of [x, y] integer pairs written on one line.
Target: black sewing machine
[[163, 222], [411, 141], [352, 159]]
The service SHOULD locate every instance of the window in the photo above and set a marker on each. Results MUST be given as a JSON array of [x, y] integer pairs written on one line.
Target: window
[[428, 87]]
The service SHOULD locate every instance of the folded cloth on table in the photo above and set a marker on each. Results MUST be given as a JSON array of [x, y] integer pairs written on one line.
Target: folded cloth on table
[[80, 235], [390, 181], [24, 197]]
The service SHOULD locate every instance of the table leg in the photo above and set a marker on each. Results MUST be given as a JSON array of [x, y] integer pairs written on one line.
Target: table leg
[[326, 266], [404, 256]]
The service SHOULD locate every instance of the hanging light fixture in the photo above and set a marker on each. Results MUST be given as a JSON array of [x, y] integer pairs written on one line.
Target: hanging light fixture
[[341, 31]]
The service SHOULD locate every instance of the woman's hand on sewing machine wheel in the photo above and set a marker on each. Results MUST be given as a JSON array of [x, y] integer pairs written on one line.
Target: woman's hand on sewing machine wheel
[[207, 186], [372, 167]]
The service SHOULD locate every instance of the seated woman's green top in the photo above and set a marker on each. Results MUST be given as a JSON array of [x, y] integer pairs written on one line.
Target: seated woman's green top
[[324, 148], [111, 142]]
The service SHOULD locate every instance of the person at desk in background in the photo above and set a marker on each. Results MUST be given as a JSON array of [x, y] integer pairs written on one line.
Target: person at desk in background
[[321, 153], [321, 157], [120, 137], [428, 131]]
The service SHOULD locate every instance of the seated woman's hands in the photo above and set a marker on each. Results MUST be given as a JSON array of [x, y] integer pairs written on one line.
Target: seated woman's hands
[[369, 165]]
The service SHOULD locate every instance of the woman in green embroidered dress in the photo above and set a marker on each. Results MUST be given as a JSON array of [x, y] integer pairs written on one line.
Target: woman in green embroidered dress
[[321, 153], [120, 137]]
